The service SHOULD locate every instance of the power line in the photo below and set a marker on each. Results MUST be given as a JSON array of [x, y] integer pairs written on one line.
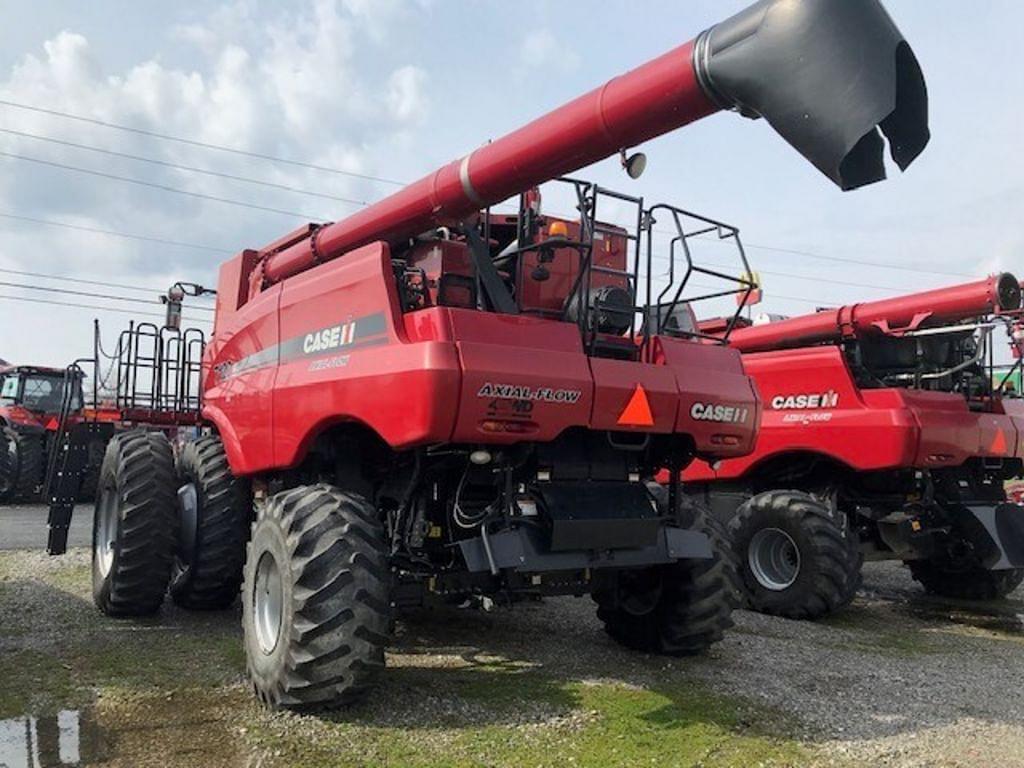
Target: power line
[[69, 292], [859, 262], [189, 168], [113, 233], [82, 281], [162, 187], [195, 143], [97, 308]]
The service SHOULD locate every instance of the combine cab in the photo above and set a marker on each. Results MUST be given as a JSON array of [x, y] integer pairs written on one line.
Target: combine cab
[[434, 400], [885, 435]]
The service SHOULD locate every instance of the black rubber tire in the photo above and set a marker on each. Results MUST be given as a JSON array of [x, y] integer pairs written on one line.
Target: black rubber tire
[[830, 559], [24, 474], [207, 573], [137, 479], [330, 549], [692, 600], [95, 452], [965, 584], [8, 467]]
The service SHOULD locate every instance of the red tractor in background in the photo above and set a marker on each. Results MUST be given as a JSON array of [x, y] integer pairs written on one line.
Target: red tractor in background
[[884, 436], [430, 399], [32, 399]]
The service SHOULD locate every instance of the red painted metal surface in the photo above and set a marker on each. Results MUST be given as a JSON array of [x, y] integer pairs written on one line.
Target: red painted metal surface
[[434, 375], [942, 305], [864, 429], [653, 99]]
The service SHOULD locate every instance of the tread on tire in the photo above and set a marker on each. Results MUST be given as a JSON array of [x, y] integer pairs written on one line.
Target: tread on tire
[[136, 498], [325, 646]]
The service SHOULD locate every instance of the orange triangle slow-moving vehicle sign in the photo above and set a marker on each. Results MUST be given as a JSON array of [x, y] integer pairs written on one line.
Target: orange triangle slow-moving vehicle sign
[[637, 412], [998, 446]]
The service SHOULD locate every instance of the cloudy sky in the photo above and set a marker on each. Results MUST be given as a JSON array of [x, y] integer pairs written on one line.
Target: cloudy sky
[[390, 90]]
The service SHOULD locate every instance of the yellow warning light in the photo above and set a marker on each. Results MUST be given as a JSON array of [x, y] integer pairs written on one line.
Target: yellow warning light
[[558, 229], [915, 526]]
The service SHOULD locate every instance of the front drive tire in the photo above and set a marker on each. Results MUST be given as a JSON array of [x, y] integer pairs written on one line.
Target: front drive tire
[[316, 605], [215, 513], [965, 584], [21, 465], [797, 558], [134, 525], [680, 609]]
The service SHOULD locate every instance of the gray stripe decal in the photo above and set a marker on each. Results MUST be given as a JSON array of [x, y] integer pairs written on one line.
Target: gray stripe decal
[[367, 331]]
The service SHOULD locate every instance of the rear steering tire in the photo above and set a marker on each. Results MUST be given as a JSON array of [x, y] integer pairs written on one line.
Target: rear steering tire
[[316, 606], [214, 515], [680, 609], [797, 557], [965, 583], [134, 525]]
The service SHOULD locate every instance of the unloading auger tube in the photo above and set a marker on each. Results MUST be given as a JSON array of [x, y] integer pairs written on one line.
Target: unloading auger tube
[[996, 294], [828, 75]]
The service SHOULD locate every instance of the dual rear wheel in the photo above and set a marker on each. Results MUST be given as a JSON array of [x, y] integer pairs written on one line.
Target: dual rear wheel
[[160, 528]]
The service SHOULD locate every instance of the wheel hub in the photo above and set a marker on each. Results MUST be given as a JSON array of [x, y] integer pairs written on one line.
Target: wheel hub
[[639, 592], [106, 530], [774, 559], [268, 603]]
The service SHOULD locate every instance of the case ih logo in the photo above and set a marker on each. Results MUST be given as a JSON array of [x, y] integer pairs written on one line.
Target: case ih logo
[[329, 338], [828, 399], [522, 392], [727, 414]]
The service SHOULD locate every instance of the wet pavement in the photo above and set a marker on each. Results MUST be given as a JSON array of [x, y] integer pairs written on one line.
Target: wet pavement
[[67, 738]]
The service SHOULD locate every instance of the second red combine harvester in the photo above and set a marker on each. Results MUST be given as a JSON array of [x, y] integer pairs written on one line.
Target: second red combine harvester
[[885, 435], [431, 398]]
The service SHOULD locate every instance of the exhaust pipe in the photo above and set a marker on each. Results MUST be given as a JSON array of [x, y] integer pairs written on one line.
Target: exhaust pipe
[[826, 74]]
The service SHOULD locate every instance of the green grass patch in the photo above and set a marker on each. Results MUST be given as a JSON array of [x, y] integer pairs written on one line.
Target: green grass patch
[[480, 717], [32, 681]]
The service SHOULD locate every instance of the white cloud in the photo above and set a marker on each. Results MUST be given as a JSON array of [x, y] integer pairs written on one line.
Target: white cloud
[[541, 50], [304, 83], [406, 94]]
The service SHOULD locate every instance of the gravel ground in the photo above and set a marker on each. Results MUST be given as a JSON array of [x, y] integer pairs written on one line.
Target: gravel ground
[[898, 679]]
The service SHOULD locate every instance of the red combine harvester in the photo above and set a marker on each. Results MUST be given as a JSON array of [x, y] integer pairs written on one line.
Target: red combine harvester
[[31, 402], [884, 435], [430, 397]]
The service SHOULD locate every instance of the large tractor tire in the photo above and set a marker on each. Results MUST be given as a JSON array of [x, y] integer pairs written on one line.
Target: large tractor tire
[[965, 583], [680, 609], [214, 510], [797, 557], [21, 464], [316, 600], [135, 525]]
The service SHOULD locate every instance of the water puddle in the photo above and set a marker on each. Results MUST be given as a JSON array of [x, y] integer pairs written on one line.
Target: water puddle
[[1007, 621], [68, 738]]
